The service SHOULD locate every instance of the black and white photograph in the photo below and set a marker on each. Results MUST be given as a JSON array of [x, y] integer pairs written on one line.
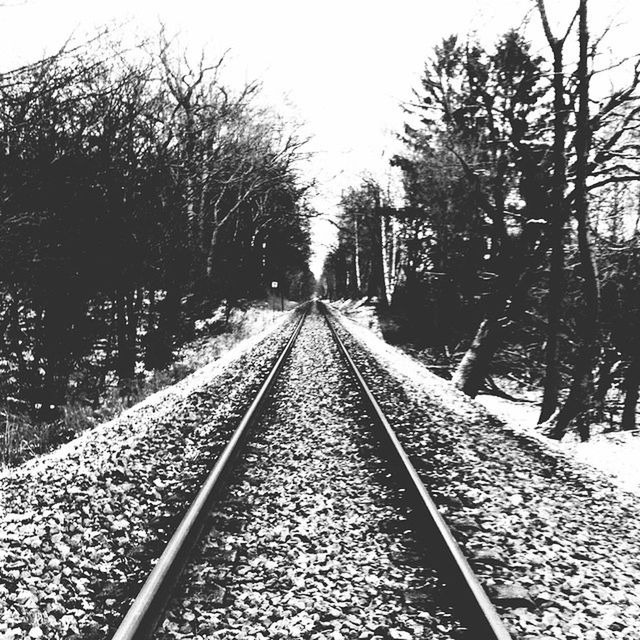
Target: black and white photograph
[[319, 320]]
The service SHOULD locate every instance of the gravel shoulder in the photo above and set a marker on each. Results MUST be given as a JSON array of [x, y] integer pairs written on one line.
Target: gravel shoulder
[[555, 544], [80, 527], [312, 538]]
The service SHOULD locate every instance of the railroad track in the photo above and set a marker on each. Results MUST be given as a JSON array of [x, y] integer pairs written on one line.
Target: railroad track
[[429, 528]]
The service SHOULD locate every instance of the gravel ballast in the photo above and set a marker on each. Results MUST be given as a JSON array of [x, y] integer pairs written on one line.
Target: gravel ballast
[[557, 548], [311, 539], [80, 527], [556, 545]]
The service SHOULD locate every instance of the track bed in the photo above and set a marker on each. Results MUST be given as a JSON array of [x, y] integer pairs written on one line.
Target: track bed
[[312, 538]]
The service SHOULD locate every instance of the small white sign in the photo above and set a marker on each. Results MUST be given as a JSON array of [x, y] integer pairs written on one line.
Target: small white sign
[[274, 284]]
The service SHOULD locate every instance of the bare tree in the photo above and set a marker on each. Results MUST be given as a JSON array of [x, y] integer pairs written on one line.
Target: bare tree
[[557, 215]]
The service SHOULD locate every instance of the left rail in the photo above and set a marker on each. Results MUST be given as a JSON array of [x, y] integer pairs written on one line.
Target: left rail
[[142, 617]]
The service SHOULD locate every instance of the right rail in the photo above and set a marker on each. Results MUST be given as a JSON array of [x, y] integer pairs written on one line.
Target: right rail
[[486, 623]]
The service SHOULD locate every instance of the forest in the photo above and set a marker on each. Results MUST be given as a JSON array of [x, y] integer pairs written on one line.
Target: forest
[[139, 191], [514, 250]]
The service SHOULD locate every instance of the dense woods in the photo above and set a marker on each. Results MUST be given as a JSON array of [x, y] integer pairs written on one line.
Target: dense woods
[[139, 191], [515, 250]]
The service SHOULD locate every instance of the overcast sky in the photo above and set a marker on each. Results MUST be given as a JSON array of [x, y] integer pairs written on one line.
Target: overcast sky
[[341, 66]]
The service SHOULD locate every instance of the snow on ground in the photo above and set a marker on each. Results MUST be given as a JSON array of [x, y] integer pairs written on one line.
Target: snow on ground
[[402, 364], [243, 323], [160, 402], [614, 454], [554, 543], [21, 439]]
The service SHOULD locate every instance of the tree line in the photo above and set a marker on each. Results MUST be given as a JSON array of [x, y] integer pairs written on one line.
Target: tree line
[[138, 190], [517, 241]]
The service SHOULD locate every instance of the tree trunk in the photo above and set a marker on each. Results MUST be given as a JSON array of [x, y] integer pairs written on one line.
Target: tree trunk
[[376, 287], [54, 337], [16, 337], [394, 257], [581, 392], [605, 380], [384, 253], [389, 246], [576, 406], [556, 231], [473, 367], [554, 319], [126, 348], [631, 384], [211, 253], [169, 321], [356, 257], [152, 335], [506, 307]]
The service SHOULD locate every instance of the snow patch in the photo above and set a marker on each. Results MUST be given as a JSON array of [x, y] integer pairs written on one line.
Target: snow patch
[[412, 371], [156, 404], [615, 455]]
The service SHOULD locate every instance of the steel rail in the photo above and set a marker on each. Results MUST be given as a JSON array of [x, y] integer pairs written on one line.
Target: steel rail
[[478, 609], [142, 617]]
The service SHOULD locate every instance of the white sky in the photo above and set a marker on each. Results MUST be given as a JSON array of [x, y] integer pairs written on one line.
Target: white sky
[[341, 66]]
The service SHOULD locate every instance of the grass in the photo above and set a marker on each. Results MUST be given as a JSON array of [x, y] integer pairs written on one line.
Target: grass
[[24, 438]]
